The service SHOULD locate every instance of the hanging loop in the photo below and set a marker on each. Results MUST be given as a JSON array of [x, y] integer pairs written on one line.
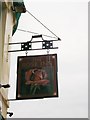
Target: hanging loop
[[48, 50], [26, 53]]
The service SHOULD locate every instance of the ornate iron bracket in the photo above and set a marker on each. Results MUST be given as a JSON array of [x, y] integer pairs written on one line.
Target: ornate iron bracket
[[26, 46]]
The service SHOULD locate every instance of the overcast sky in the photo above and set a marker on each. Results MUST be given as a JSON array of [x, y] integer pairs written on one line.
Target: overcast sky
[[69, 21]]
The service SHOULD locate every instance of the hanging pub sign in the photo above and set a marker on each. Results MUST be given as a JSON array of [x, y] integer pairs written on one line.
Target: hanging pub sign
[[37, 76]]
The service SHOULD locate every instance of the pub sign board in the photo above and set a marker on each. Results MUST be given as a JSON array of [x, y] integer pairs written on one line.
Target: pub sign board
[[37, 76]]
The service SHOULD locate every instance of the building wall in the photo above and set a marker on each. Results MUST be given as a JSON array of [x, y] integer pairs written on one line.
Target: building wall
[[6, 23]]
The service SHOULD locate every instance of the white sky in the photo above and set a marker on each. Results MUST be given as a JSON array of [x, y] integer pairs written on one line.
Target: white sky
[[69, 21]]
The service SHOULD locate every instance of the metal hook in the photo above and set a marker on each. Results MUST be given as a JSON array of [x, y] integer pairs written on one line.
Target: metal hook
[[48, 51], [26, 53]]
